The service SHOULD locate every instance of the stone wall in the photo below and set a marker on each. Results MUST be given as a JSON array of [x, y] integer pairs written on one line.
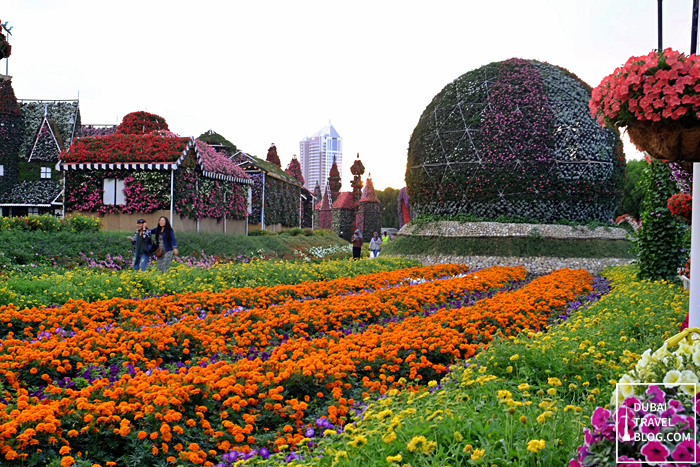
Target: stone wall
[[538, 264], [497, 229]]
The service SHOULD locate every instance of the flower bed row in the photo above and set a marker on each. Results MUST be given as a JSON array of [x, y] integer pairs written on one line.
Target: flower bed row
[[523, 401], [174, 378], [57, 288]]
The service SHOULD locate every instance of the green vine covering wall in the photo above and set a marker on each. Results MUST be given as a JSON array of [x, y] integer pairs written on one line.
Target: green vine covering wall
[[660, 240], [516, 139]]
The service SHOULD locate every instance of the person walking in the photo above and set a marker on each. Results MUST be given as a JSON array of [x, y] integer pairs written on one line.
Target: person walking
[[375, 245], [141, 245], [356, 244], [165, 240]]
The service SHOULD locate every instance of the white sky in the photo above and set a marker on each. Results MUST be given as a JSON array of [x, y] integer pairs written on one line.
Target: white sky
[[259, 72]]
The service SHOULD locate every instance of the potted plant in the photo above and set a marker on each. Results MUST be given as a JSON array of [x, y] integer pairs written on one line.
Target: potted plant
[[657, 97]]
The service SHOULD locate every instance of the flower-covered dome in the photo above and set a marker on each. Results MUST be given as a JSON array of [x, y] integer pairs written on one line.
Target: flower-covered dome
[[515, 139]]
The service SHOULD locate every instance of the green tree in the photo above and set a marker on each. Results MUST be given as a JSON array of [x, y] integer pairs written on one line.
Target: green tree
[[660, 242], [632, 196], [388, 199]]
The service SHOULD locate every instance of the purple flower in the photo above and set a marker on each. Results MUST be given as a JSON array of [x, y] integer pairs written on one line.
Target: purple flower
[[650, 424], [264, 453], [599, 419]]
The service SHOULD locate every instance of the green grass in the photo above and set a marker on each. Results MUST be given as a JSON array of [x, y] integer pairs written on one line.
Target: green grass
[[64, 248], [507, 246]]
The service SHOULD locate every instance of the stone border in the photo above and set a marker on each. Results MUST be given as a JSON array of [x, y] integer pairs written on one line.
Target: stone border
[[498, 229], [535, 264]]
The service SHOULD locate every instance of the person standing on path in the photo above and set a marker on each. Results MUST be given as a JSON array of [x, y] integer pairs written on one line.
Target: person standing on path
[[141, 245], [356, 244], [375, 245], [165, 238]]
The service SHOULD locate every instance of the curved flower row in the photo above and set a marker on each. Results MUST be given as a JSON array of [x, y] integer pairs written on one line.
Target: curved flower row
[[130, 381]]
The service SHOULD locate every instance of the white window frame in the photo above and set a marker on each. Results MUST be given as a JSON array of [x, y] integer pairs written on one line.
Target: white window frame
[[46, 172], [33, 211], [113, 191]]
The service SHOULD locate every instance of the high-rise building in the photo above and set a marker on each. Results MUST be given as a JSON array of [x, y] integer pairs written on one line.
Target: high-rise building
[[316, 156]]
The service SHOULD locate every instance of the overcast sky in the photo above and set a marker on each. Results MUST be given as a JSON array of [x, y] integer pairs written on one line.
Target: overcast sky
[[259, 72]]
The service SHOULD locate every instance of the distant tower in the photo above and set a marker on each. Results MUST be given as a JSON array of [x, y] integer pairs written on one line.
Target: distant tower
[[316, 156]]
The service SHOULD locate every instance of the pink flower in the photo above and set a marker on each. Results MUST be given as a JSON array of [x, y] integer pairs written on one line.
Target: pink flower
[[654, 451], [685, 451]]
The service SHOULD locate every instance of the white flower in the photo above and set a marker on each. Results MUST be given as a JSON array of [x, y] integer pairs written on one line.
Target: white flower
[[684, 348], [688, 377], [696, 357], [623, 390], [643, 363], [672, 378], [660, 353]]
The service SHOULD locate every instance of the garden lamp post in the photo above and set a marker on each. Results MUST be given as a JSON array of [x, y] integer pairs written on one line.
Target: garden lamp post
[[660, 29]]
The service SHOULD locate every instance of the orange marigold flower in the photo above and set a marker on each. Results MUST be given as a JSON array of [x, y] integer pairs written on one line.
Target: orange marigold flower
[[64, 450], [143, 434], [67, 461]]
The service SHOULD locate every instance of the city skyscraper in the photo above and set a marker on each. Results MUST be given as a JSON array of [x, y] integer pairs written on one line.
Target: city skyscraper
[[316, 156]]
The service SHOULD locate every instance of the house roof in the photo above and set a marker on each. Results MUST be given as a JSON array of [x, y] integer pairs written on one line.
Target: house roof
[[344, 201], [39, 193], [98, 153], [65, 115], [251, 164], [212, 138]]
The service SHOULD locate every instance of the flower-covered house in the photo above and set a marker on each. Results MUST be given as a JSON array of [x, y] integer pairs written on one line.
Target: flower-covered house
[[144, 170], [277, 198], [34, 132]]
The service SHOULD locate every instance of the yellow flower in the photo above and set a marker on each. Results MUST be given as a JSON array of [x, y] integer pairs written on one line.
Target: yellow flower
[[432, 383], [397, 458], [458, 436], [535, 445], [554, 381], [329, 432], [384, 414], [523, 419], [572, 386], [514, 357], [568, 407], [468, 448], [416, 443], [429, 447], [509, 369], [389, 438], [358, 441], [552, 391], [433, 415], [524, 386], [541, 418], [478, 454]]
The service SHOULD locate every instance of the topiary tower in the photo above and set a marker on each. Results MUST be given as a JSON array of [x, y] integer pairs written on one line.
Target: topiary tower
[[325, 219], [334, 180], [11, 128], [514, 139], [272, 156], [294, 169], [369, 214]]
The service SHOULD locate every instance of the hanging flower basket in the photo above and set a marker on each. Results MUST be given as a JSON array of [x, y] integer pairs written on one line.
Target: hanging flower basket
[[657, 97], [670, 141], [681, 205]]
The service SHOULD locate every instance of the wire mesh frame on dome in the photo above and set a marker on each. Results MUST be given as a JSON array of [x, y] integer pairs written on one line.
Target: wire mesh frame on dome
[[487, 147]]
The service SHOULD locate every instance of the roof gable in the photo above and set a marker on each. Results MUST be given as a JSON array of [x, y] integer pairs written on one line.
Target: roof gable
[[47, 143], [64, 114]]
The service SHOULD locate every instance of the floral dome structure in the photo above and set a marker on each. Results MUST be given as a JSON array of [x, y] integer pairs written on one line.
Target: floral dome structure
[[515, 139]]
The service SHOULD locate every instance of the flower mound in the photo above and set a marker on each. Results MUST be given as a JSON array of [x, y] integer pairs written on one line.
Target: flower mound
[[516, 139]]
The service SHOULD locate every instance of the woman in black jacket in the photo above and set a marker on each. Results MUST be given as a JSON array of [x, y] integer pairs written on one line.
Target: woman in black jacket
[[165, 239]]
